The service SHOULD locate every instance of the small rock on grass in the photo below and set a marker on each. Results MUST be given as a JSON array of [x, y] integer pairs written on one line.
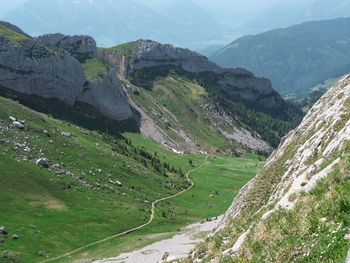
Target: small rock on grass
[[66, 134], [18, 125], [2, 230], [47, 133], [43, 162]]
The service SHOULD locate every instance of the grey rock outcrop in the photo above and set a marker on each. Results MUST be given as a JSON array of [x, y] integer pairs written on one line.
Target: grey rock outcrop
[[151, 53], [79, 47], [116, 60], [18, 124], [250, 88], [34, 70], [108, 98], [48, 67], [235, 82]]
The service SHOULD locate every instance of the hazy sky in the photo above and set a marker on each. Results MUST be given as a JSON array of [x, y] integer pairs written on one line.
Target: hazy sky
[[190, 23], [225, 6], [225, 11]]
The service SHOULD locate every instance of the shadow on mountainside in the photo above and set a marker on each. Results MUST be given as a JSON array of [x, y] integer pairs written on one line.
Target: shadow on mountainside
[[80, 114]]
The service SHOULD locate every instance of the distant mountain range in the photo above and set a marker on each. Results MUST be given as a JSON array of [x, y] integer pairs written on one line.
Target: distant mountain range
[[111, 22], [195, 24], [291, 12], [294, 58]]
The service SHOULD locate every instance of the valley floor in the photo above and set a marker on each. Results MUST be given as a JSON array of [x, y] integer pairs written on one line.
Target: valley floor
[[76, 201], [169, 249]]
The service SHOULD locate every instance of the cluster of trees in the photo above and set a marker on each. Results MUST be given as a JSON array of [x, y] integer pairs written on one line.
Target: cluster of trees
[[272, 126], [306, 103], [149, 160]]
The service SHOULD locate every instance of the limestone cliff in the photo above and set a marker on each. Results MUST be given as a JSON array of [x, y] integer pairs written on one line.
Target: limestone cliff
[[236, 82], [33, 69], [297, 208], [79, 47], [108, 97], [49, 67]]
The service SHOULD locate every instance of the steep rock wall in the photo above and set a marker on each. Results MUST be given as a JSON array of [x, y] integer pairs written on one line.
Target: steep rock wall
[[48, 67]]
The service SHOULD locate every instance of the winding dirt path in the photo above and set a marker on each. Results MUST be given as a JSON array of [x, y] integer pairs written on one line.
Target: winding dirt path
[[136, 228]]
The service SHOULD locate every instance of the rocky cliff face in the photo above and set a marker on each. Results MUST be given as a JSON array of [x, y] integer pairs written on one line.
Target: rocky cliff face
[[79, 47], [108, 97], [236, 82], [33, 69], [151, 53], [48, 67], [297, 207]]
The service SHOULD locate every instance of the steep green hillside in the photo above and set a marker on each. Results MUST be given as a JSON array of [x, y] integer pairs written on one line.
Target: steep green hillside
[[205, 112], [295, 58], [78, 200]]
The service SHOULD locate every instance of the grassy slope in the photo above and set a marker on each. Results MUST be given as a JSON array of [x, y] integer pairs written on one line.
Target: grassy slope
[[224, 175], [93, 68], [184, 99], [105, 212], [13, 36], [69, 215], [127, 49]]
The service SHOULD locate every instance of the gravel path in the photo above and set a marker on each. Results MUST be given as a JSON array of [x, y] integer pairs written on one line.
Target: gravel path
[[178, 246]]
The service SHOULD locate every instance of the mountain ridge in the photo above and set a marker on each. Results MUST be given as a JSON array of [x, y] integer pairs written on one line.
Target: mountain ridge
[[104, 84], [295, 58]]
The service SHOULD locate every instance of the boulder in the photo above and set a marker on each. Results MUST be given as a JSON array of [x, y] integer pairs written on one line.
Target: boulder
[[3, 231], [18, 124], [66, 134], [44, 162], [47, 133]]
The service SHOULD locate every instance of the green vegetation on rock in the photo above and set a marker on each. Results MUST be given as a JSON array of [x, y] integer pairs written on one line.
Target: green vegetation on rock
[[127, 49], [93, 69], [13, 36]]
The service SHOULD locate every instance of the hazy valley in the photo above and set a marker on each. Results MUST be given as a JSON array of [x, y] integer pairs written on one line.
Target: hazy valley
[[135, 151]]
